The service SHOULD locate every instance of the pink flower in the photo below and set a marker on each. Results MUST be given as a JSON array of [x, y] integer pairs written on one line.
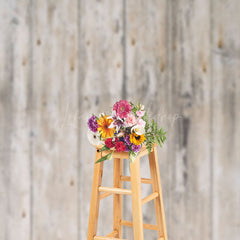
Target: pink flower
[[115, 106], [130, 120], [122, 108], [141, 122], [140, 113]]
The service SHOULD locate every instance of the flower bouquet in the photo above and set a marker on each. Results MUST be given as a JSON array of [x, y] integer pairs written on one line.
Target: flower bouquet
[[126, 129]]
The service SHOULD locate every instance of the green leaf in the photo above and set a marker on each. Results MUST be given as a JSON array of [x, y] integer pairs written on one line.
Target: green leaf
[[109, 156], [158, 140], [134, 109], [145, 117], [152, 125], [132, 156], [106, 157], [149, 146], [104, 148]]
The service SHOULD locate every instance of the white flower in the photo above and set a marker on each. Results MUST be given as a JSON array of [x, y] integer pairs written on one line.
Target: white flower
[[138, 129], [94, 138], [117, 121], [120, 134], [101, 115]]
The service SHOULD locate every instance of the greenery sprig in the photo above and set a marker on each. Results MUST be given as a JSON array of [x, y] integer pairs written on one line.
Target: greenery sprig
[[153, 133]]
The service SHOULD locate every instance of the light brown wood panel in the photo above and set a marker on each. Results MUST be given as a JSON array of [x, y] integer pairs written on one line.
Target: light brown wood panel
[[225, 119], [189, 213], [55, 109], [100, 85], [15, 123]]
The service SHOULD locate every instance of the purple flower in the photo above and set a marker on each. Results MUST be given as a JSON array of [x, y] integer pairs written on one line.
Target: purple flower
[[126, 148], [127, 140], [136, 148], [92, 123]]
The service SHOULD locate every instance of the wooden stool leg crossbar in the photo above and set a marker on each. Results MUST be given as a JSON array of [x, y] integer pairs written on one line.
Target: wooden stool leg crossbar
[[99, 192]]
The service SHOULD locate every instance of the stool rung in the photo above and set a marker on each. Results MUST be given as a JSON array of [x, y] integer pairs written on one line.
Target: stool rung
[[115, 190], [112, 234], [147, 226], [143, 180], [149, 198], [106, 238], [104, 195]]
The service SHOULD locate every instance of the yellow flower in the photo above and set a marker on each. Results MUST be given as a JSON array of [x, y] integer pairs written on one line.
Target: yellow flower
[[104, 123], [137, 139]]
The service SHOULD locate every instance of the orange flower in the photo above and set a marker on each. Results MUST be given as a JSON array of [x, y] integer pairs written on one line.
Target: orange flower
[[104, 122]]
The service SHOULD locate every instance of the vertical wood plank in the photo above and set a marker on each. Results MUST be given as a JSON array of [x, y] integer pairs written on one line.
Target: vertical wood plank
[[100, 76], [189, 141], [15, 123], [225, 118], [146, 51], [55, 104], [146, 69]]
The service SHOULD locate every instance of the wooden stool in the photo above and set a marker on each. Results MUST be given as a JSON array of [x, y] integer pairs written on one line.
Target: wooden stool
[[99, 192]]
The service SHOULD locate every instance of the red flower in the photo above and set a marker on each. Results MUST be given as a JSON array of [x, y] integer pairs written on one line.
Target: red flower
[[120, 147], [109, 143]]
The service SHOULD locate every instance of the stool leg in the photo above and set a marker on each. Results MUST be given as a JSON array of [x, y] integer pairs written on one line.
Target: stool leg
[[117, 198], [136, 199], [95, 198], [154, 168]]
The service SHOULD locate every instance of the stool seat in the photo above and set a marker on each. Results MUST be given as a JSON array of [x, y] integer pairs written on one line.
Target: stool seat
[[100, 192], [123, 155]]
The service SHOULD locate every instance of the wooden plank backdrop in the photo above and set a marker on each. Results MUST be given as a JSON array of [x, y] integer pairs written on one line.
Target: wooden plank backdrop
[[55, 143], [62, 60]]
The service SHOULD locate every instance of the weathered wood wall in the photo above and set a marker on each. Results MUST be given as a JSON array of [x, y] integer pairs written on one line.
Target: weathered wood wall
[[62, 60]]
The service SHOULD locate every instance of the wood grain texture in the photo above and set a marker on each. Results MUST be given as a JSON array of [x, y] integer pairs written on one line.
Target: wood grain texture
[[55, 103], [62, 60], [100, 76], [190, 167], [225, 119], [146, 71], [15, 123]]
